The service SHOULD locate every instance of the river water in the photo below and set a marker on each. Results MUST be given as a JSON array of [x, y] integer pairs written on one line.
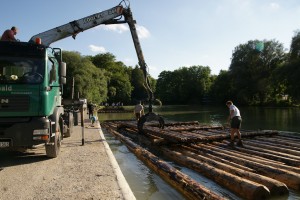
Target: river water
[[145, 184]]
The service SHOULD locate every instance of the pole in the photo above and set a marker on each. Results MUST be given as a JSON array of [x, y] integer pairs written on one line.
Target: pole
[[82, 124], [73, 83]]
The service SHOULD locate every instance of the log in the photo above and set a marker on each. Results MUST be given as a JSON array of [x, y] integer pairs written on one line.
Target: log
[[223, 146], [184, 147], [183, 183], [205, 133], [270, 155], [273, 147], [257, 159], [291, 179], [290, 139], [275, 187], [192, 135], [294, 135], [193, 128], [242, 187], [178, 123], [277, 142]]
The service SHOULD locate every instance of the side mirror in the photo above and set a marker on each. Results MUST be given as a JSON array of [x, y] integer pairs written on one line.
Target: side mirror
[[63, 69], [63, 73], [63, 80]]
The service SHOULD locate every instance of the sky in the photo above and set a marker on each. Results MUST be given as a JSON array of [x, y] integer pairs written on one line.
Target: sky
[[172, 34]]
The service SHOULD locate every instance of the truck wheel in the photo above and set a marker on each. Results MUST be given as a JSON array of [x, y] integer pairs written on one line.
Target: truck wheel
[[52, 149], [70, 125]]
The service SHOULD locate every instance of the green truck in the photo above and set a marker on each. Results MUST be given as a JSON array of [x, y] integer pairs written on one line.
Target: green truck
[[32, 76], [31, 84]]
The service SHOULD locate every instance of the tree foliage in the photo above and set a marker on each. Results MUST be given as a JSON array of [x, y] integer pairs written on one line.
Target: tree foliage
[[139, 91], [187, 85], [118, 76], [289, 73], [251, 71], [90, 81], [260, 73], [295, 46], [222, 88]]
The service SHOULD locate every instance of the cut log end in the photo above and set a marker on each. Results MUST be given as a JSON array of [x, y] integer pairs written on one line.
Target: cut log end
[[281, 190], [261, 192]]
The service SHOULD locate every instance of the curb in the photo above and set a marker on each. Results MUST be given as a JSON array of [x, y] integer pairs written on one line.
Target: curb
[[123, 184]]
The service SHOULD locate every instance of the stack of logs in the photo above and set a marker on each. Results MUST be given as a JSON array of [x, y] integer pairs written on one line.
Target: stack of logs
[[267, 166]]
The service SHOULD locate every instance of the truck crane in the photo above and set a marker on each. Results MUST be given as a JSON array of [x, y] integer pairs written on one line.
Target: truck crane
[[110, 16], [32, 76]]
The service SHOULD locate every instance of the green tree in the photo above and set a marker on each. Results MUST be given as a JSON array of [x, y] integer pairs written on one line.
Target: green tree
[[122, 88], [288, 74], [186, 85], [221, 90], [165, 87], [137, 81], [90, 81], [118, 77], [103, 61], [295, 46], [252, 68]]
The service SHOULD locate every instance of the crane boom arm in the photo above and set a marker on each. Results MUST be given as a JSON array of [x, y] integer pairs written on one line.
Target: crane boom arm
[[106, 17], [77, 26]]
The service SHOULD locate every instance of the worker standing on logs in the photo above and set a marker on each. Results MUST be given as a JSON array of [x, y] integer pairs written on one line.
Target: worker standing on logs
[[138, 110], [235, 120]]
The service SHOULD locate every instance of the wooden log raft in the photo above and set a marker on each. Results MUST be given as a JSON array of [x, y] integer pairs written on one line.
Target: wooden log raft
[[279, 143], [216, 158], [291, 179], [175, 137], [183, 183], [254, 158], [242, 187], [293, 135], [275, 187], [287, 159], [274, 147]]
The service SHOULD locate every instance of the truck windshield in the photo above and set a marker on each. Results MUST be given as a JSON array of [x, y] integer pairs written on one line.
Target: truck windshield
[[21, 70]]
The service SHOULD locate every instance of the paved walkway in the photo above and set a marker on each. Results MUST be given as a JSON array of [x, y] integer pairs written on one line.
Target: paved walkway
[[94, 141], [87, 171]]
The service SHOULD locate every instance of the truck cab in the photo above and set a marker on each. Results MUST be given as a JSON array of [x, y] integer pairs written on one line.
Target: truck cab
[[31, 79]]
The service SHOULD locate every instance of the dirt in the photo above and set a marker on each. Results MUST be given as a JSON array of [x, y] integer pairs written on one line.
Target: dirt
[[79, 172]]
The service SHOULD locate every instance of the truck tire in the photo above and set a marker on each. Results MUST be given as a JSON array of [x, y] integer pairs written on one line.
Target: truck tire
[[70, 125], [52, 149]]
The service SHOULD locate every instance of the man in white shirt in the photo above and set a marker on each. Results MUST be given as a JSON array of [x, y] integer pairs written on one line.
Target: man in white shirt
[[138, 111], [235, 120]]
